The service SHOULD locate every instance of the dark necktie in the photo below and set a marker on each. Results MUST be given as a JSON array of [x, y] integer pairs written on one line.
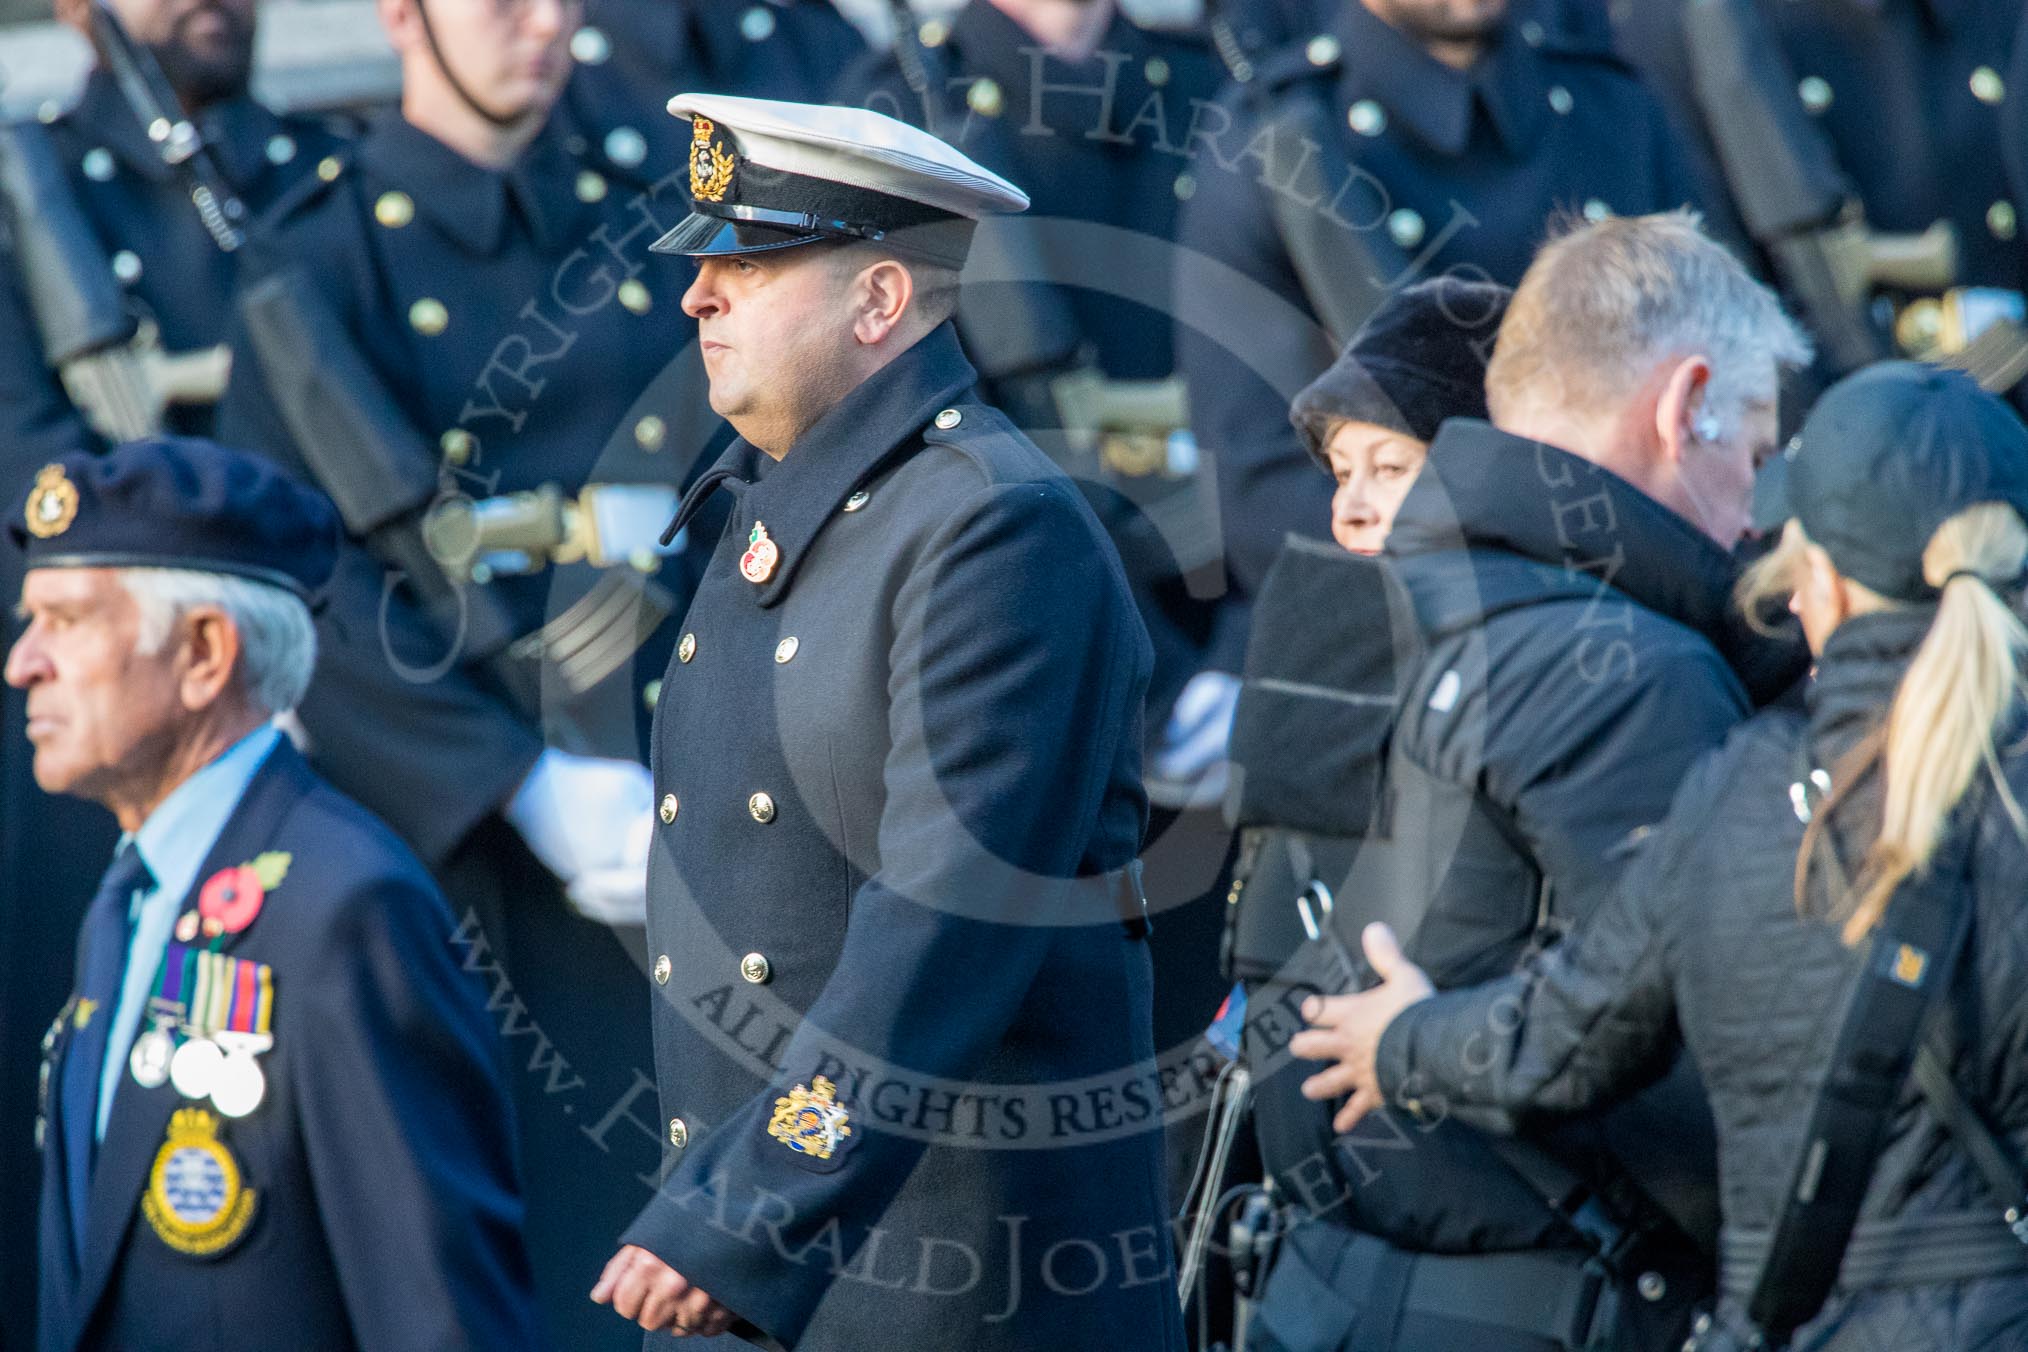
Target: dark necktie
[[102, 962]]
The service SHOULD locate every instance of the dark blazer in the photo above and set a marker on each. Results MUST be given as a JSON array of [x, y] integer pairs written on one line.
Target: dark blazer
[[902, 765], [387, 1213]]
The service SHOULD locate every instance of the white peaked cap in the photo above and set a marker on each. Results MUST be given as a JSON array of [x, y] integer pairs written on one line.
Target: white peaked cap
[[857, 148]]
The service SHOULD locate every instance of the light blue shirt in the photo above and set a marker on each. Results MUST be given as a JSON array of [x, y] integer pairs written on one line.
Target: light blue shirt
[[174, 842]]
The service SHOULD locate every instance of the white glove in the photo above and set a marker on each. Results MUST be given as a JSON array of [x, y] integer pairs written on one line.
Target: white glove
[[1189, 768], [590, 821]]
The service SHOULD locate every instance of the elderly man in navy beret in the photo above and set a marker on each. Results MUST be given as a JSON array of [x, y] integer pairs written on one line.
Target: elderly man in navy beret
[[272, 1109]]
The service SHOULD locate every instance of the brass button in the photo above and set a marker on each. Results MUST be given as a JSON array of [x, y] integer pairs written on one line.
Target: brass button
[[1987, 86], [1185, 187], [662, 969], [458, 445], [785, 651], [590, 46], [651, 694], [687, 648], [329, 168], [280, 149], [648, 433], [757, 25], [1532, 33], [668, 809], [429, 317], [762, 807], [1157, 71], [1405, 227], [949, 418], [985, 98], [634, 296], [934, 33], [394, 209], [591, 186], [626, 147], [1367, 118], [1815, 92], [857, 500], [679, 1134], [98, 164], [756, 968], [127, 266], [1560, 100], [2002, 220], [1323, 49]]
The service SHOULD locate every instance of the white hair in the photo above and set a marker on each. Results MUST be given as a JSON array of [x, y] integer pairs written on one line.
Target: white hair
[[1604, 304], [277, 639]]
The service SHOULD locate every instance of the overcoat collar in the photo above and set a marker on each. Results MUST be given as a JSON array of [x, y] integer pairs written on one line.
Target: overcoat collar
[[1436, 102], [236, 131], [475, 205], [842, 450]]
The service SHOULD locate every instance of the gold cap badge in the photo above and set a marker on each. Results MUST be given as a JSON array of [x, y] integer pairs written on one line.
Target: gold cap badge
[[710, 163], [52, 503]]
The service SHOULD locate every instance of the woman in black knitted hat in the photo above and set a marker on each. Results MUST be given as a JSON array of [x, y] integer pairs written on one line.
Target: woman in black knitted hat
[[1369, 420]]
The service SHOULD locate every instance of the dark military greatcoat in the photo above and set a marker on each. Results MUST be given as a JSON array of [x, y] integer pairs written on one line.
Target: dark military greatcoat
[[902, 998]]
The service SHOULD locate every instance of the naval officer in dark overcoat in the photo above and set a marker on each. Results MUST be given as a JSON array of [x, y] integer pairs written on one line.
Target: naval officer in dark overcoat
[[902, 989]]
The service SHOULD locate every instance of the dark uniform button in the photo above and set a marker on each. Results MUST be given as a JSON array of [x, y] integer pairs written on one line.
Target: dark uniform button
[[662, 969], [756, 968], [762, 807], [669, 808]]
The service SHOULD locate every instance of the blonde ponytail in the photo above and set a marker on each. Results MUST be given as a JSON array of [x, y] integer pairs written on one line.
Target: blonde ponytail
[[1962, 688]]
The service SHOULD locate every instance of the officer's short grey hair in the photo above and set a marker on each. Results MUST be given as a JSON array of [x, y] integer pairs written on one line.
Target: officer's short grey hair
[[277, 638], [1605, 303]]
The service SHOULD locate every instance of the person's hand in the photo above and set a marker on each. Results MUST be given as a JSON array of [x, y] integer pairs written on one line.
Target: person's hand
[[590, 821], [641, 1287], [1346, 1029]]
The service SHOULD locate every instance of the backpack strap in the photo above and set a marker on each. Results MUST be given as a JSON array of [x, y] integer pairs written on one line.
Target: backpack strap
[[1907, 961]]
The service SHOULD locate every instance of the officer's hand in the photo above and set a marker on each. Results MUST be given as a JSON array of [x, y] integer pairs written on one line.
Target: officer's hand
[[641, 1287], [1346, 1029]]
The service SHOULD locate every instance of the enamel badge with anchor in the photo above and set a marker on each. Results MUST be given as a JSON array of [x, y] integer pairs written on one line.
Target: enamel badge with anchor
[[811, 1121]]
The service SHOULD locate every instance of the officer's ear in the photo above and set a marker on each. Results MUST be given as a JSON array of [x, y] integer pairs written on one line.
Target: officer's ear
[[399, 20], [880, 296], [210, 658], [1680, 419]]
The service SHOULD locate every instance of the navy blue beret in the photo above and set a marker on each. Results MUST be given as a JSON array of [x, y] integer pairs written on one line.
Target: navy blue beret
[[178, 502]]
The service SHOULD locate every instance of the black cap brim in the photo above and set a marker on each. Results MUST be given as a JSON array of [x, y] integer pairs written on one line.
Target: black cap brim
[[1772, 506], [702, 236]]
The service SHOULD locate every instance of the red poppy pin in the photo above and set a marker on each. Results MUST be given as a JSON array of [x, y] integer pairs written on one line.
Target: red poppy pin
[[232, 897]]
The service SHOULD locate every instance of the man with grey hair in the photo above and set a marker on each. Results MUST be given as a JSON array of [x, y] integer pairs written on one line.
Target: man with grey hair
[[1569, 566], [272, 1110]]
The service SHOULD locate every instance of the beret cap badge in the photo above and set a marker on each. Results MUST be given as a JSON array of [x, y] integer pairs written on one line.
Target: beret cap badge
[[710, 165], [52, 503]]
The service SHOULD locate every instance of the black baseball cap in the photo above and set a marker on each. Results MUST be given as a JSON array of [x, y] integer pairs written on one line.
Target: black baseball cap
[[1889, 454]]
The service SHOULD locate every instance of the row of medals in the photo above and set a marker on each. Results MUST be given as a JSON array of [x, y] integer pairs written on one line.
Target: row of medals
[[219, 1066]]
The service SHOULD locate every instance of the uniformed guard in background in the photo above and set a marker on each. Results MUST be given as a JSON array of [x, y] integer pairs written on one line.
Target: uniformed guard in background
[[902, 982], [1397, 143], [455, 331], [119, 257], [1088, 109], [1911, 101], [632, 54], [274, 1112]]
